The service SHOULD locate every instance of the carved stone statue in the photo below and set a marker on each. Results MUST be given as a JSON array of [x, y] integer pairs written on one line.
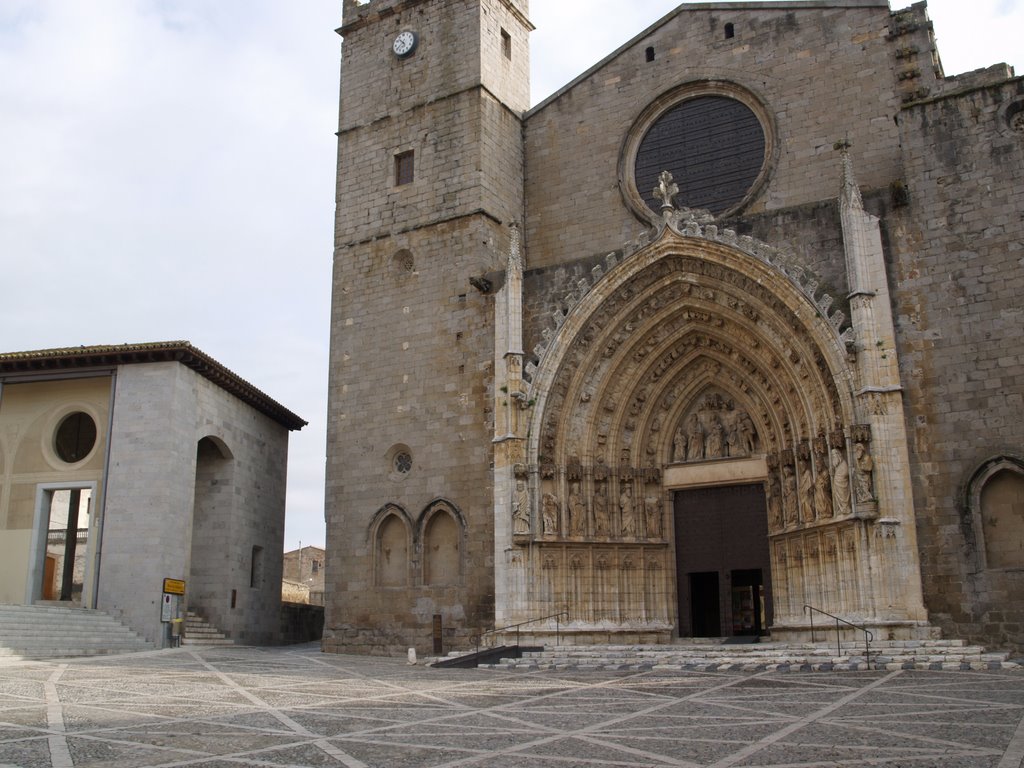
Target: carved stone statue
[[789, 494], [807, 489], [549, 513], [864, 465], [823, 490], [747, 434], [521, 509], [732, 436], [626, 511], [679, 445], [652, 514], [715, 445], [694, 439], [601, 525], [577, 512], [840, 482], [774, 493]]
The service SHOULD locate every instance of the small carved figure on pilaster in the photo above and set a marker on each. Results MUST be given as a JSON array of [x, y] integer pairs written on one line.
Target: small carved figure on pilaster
[[666, 191], [601, 525], [652, 514], [774, 493], [577, 512], [789, 495], [521, 510], [626, 512], [694, 439], [679, 446], [840, 482], [549, 512], [864, 466]]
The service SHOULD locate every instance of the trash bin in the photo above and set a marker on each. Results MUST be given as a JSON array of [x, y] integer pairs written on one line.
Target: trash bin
[[177, 630]]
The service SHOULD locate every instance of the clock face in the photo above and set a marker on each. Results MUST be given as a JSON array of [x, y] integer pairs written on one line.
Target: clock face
[[404, 44]]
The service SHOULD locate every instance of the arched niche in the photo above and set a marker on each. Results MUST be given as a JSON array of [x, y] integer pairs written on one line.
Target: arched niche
[[391, 537], [995, 496], [442, 536]]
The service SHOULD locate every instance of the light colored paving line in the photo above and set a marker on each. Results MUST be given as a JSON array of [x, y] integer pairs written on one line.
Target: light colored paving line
[[1013, 757], [613, 721], [322, 744], [768, 741], [60, 755]]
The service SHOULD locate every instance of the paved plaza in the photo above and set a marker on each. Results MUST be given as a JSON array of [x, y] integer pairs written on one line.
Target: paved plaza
[[225, 707]]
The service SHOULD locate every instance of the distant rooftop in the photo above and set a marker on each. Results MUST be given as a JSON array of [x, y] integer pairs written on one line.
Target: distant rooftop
[[74, 358]]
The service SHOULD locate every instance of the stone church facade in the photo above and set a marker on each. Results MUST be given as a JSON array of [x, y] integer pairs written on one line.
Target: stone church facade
[[725, 328]]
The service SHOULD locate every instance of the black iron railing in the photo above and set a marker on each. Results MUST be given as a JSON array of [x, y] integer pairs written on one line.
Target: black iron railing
[[556, 616], [810, 610]]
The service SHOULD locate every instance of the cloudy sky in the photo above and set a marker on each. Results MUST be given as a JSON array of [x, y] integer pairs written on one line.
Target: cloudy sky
[[168, 173]]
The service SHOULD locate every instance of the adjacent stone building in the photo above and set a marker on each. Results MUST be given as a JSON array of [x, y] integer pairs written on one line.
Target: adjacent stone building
[[303, 575], [139, 463], [725, 328]]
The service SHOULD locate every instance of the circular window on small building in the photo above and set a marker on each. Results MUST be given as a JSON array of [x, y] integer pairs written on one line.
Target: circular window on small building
[[75, 437], [714, 146]]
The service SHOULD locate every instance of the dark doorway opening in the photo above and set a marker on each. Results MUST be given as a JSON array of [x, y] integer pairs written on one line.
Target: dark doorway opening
[[748, 602], [723, 568], [705, 615]]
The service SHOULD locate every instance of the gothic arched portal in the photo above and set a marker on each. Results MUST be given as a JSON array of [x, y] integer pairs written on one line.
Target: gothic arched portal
[[696, 361]]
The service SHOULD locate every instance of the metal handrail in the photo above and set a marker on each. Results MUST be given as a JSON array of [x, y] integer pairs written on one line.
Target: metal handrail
[[868, 635], [555, 616]]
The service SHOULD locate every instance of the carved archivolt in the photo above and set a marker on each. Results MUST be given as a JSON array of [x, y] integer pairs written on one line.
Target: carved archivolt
[[691, 349]]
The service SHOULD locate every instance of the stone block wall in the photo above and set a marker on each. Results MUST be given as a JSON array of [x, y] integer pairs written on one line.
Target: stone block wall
[[161, 413], [822, 72], [957, 286]]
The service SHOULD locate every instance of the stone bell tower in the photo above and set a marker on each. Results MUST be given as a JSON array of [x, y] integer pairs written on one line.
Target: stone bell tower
[[430, 176]]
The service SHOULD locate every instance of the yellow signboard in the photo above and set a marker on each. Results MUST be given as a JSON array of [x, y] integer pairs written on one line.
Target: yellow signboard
[[174, 587]]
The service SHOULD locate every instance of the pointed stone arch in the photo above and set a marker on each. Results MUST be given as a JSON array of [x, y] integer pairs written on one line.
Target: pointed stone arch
[[682, 317]]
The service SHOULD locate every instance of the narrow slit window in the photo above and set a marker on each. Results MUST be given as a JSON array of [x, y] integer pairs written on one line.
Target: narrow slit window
[[404, 168], [256, 570], [650, 53], [730, 31], [506, 44]]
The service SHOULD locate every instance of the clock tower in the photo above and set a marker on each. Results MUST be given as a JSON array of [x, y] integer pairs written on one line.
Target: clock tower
[[430, 176]]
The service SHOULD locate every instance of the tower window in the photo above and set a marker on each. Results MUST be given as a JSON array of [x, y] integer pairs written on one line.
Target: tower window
[[404, 165], [730, 31], [506, 44], [650, 53]]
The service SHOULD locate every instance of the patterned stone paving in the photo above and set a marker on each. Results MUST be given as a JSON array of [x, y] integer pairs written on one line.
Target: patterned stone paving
[[281, 707]]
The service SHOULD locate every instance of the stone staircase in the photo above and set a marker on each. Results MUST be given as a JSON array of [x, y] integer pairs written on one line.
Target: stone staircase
[[713, 656], [198, 631], [51, 632]]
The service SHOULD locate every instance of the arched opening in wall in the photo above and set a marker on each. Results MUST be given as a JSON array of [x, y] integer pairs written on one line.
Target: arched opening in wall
[[442, 549], [392, 552], [1002, 517], [213, 547]]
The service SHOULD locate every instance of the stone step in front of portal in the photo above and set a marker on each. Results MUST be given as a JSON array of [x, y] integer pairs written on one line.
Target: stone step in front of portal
[[948, 655]]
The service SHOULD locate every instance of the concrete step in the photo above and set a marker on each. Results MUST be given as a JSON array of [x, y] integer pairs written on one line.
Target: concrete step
[[199, 632], [53, 631]]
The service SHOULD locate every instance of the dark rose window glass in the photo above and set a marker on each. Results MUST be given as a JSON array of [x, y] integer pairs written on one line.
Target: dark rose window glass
[[714, 148]]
